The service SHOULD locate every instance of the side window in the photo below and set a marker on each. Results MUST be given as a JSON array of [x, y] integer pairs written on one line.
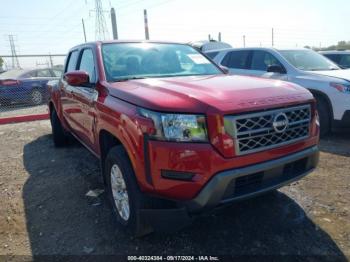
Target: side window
[[72, 61], [334, 58], [236, 59], [43, 73], [345, 61], [261, 60], [87, 64], [29, 74]]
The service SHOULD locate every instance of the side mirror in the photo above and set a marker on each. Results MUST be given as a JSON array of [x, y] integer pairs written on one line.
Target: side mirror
[[225, 69], [276, 69], [77, 78]]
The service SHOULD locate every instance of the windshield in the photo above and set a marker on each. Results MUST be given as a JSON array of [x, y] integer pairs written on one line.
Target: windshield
[[123, 61], [308, 60]]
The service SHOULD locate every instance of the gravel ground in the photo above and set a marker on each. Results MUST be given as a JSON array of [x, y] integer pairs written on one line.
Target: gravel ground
[[18, 110], [44, 210]]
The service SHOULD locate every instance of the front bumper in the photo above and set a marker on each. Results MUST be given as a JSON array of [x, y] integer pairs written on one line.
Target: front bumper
[[240, 183]]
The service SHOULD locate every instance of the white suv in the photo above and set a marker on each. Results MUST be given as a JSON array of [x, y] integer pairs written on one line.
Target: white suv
[[325, 80]]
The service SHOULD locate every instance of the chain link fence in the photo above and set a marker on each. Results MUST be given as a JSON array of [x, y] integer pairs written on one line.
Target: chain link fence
[[24, 84]]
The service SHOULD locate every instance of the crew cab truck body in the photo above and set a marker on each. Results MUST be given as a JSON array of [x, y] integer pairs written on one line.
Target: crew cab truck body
[[174, 134]]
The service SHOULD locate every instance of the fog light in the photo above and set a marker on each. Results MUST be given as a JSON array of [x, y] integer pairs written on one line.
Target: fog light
[[177, 175], [317, 119]]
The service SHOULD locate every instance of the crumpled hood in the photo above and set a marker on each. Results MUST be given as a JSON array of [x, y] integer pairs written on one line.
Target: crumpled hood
[[342, 74], [226, 93]]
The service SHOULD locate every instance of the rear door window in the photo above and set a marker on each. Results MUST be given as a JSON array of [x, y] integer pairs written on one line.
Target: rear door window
[[29, 75], [345, 61], [237, 59], [334, 58], [261, 60], [44, 73], [72, 61]]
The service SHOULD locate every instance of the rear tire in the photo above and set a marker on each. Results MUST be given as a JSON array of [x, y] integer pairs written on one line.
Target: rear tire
[[58, 134], [117, 159], [36, 97], [325, 116]]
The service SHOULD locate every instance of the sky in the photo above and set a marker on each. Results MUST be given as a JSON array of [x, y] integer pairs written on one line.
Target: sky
[[52, 26]]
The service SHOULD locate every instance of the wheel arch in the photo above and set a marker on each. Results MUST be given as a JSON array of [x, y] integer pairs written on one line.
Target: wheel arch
[[106, 141], [317, 93]]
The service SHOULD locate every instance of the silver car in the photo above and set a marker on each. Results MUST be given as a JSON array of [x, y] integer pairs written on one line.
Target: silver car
[[325, 80]]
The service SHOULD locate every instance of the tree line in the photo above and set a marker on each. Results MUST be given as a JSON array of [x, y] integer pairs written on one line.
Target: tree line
[[342, 45]]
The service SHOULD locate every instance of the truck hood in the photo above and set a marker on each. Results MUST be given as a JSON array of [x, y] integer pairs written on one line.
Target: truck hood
[[197, 94], [342, 74]]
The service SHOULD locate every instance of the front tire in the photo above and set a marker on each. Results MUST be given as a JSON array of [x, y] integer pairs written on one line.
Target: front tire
[[324, 115], [123, 192]]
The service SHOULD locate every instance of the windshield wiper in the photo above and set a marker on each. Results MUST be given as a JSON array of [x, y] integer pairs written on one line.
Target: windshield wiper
[[128, 78]]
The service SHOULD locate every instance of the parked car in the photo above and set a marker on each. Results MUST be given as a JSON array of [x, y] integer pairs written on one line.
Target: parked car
[[26, 86], [341, 58], [326, 81], [175, 135], [206, 45]]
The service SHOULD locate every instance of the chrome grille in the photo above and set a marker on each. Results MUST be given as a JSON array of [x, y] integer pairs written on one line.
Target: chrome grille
[[256, 131]]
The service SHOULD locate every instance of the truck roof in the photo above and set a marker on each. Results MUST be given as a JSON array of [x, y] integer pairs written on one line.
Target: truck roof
[[124, 41]]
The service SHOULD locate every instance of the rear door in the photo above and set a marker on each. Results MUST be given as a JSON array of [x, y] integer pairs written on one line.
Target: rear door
[[238, 62], [261, 60]]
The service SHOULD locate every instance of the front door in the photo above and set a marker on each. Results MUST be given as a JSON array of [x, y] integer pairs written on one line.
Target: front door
[[70, 106], [261, 60], [86, 97]]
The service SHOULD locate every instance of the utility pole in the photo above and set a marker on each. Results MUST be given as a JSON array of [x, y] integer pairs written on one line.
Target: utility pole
[[101, 31], [15, 62], [219, 37], [243, 40], [114, 24], [273, 37], [146, 24], [82, 21], [51, 62]]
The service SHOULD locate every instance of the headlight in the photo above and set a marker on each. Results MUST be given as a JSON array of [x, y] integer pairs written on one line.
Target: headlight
[[177, 127], [341, 87]]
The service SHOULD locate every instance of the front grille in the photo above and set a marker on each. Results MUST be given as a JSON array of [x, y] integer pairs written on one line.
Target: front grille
[[268, 129]]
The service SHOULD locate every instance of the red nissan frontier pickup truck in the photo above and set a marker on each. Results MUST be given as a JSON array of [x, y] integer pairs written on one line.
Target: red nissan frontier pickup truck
[[175, 135]]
